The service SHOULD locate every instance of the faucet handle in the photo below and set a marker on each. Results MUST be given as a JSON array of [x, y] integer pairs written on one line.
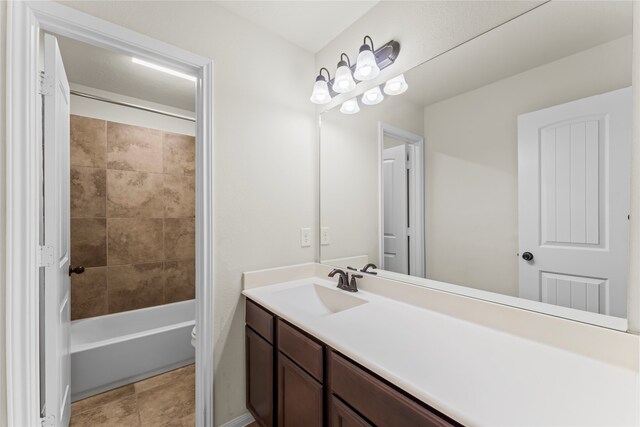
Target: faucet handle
[[353, 285]]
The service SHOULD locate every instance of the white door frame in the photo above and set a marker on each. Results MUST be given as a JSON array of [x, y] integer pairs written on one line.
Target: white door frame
[[24, 175], [417, 231]]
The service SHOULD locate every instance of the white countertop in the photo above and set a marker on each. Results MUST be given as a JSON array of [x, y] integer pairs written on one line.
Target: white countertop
[[474, 374]]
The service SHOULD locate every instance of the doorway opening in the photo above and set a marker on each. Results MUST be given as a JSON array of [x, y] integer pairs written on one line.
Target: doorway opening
[[121, 205], [401, 194]]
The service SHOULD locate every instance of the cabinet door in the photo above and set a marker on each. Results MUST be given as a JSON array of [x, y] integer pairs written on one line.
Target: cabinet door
[[299, 396], [260, 389], [343, 416]]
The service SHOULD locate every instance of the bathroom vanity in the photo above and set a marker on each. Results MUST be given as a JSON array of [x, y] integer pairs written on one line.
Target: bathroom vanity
[[404, 355], [310, 383]]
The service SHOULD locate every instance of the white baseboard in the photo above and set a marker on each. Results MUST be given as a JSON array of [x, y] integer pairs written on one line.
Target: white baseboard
[[241, 421]]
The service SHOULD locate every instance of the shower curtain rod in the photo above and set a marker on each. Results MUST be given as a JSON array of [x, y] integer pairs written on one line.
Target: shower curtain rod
[[130, 105]]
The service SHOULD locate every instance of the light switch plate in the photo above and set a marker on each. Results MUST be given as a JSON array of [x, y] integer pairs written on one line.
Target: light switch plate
[[324, 236], [305, 237]]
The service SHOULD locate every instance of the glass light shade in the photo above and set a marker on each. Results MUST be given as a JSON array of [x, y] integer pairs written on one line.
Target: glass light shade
[[350, 106], [343, 82], [373, 96], [396, 85], [366, 67], [320, 94]]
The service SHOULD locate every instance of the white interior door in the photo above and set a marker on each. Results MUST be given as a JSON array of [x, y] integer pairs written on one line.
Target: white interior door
[[395, 209], [574, 189], [57, 301]]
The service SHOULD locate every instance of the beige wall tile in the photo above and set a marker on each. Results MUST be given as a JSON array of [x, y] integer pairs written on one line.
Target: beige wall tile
[[88, 142], [89, 242], [89, 293], [179, 154], [179, 238], [135, 286], [88, 192], [179, 196], [134, 240], [179, 280], [133, 148], [134, 194]]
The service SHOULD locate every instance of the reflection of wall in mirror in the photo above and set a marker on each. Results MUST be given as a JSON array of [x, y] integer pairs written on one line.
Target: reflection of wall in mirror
[[349, 174], [471, 163]]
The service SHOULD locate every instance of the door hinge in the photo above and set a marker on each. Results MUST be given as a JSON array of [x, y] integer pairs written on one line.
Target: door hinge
[[46, 85], [46, 256], [49, 421]]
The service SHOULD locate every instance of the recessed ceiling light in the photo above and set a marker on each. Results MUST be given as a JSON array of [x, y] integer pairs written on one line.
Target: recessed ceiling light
[[164, 69]]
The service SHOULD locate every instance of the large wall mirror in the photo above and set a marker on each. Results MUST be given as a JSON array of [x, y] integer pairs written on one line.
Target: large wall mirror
[[503, 172]]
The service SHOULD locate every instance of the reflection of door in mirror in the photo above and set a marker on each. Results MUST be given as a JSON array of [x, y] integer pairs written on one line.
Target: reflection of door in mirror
[[541, 221], [574, 187], [402, 205]]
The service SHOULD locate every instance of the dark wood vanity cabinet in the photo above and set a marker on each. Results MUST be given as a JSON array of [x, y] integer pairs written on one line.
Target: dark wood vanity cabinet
[[300, 396], [260, 364], [294, 380], [343, 416]]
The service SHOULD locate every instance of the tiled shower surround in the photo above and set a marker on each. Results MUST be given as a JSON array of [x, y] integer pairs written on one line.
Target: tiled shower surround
[[132, 217]]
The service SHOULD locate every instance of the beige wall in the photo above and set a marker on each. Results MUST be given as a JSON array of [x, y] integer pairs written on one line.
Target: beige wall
[[471, 158], [117, 113], [423, 28], [349, 174]]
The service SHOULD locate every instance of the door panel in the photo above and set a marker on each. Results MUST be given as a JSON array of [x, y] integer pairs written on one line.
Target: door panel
[[574, 199], [395, 213], [57, 301], [570, 183]]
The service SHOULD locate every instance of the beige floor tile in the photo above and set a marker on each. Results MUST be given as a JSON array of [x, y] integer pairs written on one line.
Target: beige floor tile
[[164, 400], [119, 413], [102, 398]]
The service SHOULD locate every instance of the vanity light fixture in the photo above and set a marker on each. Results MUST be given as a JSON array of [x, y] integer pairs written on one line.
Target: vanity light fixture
[[343, 82], [373, 96], [320, 94], [163, 69], [350, 106], [396, 85], [366, 65]]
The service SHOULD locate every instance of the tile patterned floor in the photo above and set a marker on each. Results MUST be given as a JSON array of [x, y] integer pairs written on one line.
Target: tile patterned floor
[[164, 400]]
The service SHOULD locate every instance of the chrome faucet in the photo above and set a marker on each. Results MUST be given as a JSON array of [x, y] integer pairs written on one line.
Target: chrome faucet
[[343, 280]]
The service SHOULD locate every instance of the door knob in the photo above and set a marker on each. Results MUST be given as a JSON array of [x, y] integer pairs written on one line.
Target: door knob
[[527, 256], [77, 269]]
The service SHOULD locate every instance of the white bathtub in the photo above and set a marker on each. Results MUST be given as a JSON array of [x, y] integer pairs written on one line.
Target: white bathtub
[[116, 349]]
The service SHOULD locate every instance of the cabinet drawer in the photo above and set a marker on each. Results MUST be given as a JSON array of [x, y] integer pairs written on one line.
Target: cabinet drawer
[[301, 349], [260, 320], [375, 400], [343, 416]]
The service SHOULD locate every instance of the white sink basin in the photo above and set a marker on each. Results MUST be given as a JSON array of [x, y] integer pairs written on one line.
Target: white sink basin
[[318, 300]]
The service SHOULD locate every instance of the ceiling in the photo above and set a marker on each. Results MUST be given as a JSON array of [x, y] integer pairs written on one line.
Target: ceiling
[[308, 24], [518, 46], [104, 69]]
